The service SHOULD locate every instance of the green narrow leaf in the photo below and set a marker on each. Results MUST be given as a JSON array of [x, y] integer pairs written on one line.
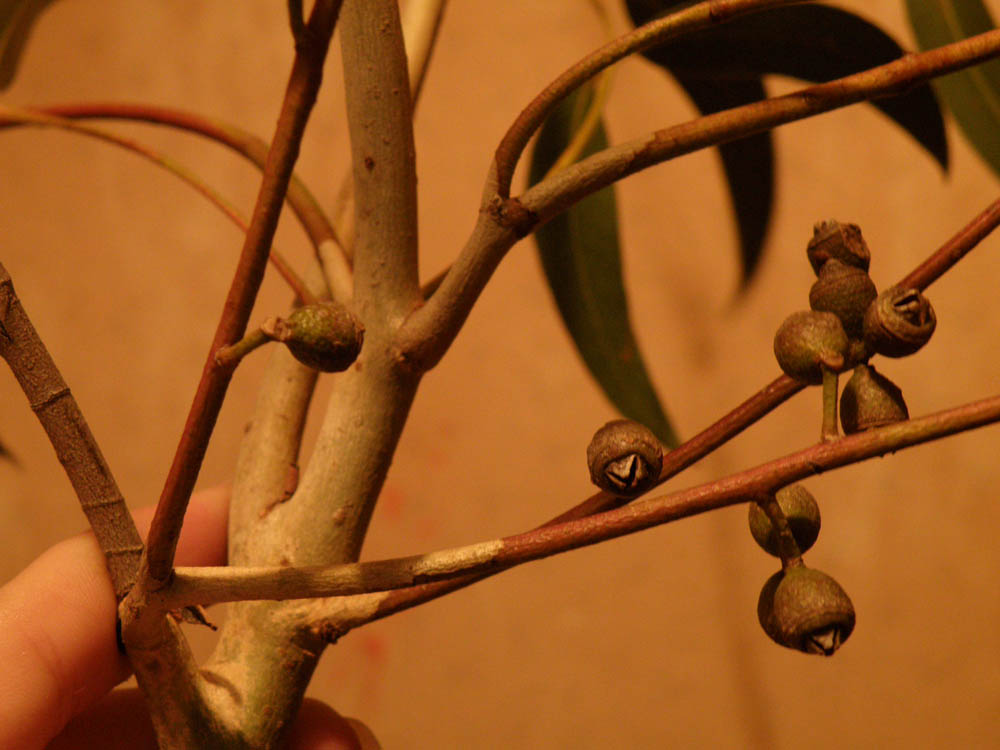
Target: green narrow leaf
[[748, 163], [17, 17], [580, 256], [973, 95]]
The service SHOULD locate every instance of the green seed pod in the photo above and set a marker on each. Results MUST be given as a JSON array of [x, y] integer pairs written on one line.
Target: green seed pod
[[624, 458], [870, 400], [899, 322], [325, 336], [799, 508], [807, 342], [845, 291], [831, 239], [805, 609]]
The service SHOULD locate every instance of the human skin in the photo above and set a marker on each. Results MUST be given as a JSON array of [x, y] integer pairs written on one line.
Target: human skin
[[60, 659]]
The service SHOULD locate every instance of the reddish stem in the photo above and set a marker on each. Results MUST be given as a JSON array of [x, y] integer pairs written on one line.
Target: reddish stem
[[691, 451], [300, 95], [301, 200], [953, 250]]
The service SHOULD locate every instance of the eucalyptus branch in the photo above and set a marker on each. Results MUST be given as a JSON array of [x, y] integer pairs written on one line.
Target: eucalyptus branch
[[421, 22], [230, 356], [214, 585], [952, 251], [67, 430], [303, 85], [431, 329], [553, 195], [15, 116], [695, 18], [380, 116], [300, 199], [351, 612]]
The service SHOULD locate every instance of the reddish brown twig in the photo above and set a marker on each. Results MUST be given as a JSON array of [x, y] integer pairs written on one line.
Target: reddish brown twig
[[300, 95]]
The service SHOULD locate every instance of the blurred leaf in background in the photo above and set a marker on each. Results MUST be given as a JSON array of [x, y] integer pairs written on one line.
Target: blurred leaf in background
[[973, 95], [580, 255], [17, 17]]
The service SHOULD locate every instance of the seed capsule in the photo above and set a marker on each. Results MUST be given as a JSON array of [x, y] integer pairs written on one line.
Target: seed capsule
[[899, 322], [807, 342], [870, 400], [831, 239], [325, 336], [799, 508], [624, 458], [805, 609], [845, 291]]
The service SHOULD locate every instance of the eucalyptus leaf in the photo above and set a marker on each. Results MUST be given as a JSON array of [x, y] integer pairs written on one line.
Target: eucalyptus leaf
[[748, 163], [17, 17], [973, 94], [579, 250]]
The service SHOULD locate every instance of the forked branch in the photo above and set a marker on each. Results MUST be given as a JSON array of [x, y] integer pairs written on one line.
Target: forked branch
[[429, 331]]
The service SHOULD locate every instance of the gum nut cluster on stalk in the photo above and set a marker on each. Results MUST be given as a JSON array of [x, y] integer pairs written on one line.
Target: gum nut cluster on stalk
[[895, 323]]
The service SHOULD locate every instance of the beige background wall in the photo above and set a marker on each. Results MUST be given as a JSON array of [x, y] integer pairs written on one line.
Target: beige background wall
[[644, 642]]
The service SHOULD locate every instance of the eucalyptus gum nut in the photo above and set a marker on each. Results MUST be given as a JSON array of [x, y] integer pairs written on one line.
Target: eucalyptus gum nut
[[624, 458], [325, 336], [800, 509], [844, 242], [805, 609], [870, 400], [899, 322], [845, 291], [807, 342]]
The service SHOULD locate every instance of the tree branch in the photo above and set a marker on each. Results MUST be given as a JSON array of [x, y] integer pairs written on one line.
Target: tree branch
[[67, 430], [429, 331], [351, 612], [421, 22], [555, 194], [686, 21], [380, 118], [213, 585], [301, 200], [14, 116], [303, 85]]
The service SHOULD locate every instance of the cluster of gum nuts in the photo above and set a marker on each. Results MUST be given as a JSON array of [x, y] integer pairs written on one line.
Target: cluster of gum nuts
[[847, 323]]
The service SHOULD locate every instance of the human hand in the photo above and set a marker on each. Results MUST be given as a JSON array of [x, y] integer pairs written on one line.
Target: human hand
[[60, 658]]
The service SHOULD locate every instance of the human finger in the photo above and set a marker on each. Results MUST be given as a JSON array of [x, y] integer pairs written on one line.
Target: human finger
[[57, 618]]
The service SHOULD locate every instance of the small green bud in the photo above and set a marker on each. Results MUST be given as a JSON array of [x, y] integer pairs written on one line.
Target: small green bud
[[325, 336]]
